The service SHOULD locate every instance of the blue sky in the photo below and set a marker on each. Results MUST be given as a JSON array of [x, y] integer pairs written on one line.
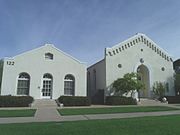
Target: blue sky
[[83, 28]]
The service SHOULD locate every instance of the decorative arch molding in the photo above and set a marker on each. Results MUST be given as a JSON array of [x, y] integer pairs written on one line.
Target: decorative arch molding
[[48, 75], [47, 86], [148, 66], [69, 84], [23, 83]]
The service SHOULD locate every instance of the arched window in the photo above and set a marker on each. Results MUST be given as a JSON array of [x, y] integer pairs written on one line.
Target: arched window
[[48, 76], [69, 85], [23, 84], [48, 56]]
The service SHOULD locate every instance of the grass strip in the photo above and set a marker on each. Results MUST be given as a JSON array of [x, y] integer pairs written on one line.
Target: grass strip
[[110, 110], [17, 113]]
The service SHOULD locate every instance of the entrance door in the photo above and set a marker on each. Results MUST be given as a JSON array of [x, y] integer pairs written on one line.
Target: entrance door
[[144, 77], [47, 86]]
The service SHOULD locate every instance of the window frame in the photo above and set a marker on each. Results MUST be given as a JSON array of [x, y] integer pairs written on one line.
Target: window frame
[[49, 56], [69, 85], [23, 89]]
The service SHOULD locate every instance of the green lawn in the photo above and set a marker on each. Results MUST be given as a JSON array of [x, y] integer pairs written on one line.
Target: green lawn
[[108, 110], [17, 113], [161, 125]]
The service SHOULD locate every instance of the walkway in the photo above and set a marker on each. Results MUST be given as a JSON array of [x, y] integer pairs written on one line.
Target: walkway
[[43, 117], [50, 114]]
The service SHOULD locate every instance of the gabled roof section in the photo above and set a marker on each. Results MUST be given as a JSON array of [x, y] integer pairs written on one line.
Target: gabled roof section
[[47, 45], [95, 63], [177, 62], [134, 40], [65, 54]]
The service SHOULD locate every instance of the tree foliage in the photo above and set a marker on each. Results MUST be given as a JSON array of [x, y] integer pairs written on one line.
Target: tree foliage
[[127, 84], [159, 89]]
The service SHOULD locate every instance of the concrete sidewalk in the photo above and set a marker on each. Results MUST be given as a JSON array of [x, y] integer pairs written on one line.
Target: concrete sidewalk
[[47, 114], [52, 115]]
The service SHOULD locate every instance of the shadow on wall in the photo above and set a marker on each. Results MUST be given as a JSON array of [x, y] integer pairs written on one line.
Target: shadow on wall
[[110, 90], [98, 97], [170, 87], [177, 83]]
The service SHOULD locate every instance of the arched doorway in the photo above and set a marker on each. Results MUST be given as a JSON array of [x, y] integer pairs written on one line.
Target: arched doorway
[[143, 72], [47, 86]]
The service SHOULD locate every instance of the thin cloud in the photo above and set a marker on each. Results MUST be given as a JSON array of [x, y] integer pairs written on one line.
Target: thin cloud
[[84, 28]]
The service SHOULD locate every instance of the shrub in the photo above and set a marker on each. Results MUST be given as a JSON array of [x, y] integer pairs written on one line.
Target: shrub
[[159, 89], [120, 100], [15, 101], [173, 99], [74, 101]]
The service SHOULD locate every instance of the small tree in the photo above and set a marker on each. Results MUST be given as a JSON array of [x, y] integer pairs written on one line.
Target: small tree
[[120, 86], [127, 84], [159, 89]]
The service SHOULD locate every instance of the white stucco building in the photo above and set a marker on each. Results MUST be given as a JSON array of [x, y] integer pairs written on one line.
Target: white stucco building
[[136, 54], [45, 72]]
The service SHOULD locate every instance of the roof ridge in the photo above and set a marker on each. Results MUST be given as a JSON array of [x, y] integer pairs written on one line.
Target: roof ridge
[[130, 39], [46, 45]]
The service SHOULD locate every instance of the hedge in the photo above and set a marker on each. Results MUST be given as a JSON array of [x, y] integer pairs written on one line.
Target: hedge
[[119, 100], [74, 101], [173, 99], [15, 101]]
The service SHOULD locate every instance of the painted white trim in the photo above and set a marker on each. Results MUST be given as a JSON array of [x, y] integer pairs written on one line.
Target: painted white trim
[[41, 87], [75, 82], [125, 41], [68, 55], [164, 51], [17, 78], [134, 37], [16, 85]]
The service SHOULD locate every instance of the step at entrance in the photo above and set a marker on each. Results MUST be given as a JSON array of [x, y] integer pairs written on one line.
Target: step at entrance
[[146, 101], [44, 103]]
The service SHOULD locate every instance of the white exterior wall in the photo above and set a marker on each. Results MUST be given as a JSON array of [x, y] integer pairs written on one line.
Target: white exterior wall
[[35, 64], [130, 60]]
